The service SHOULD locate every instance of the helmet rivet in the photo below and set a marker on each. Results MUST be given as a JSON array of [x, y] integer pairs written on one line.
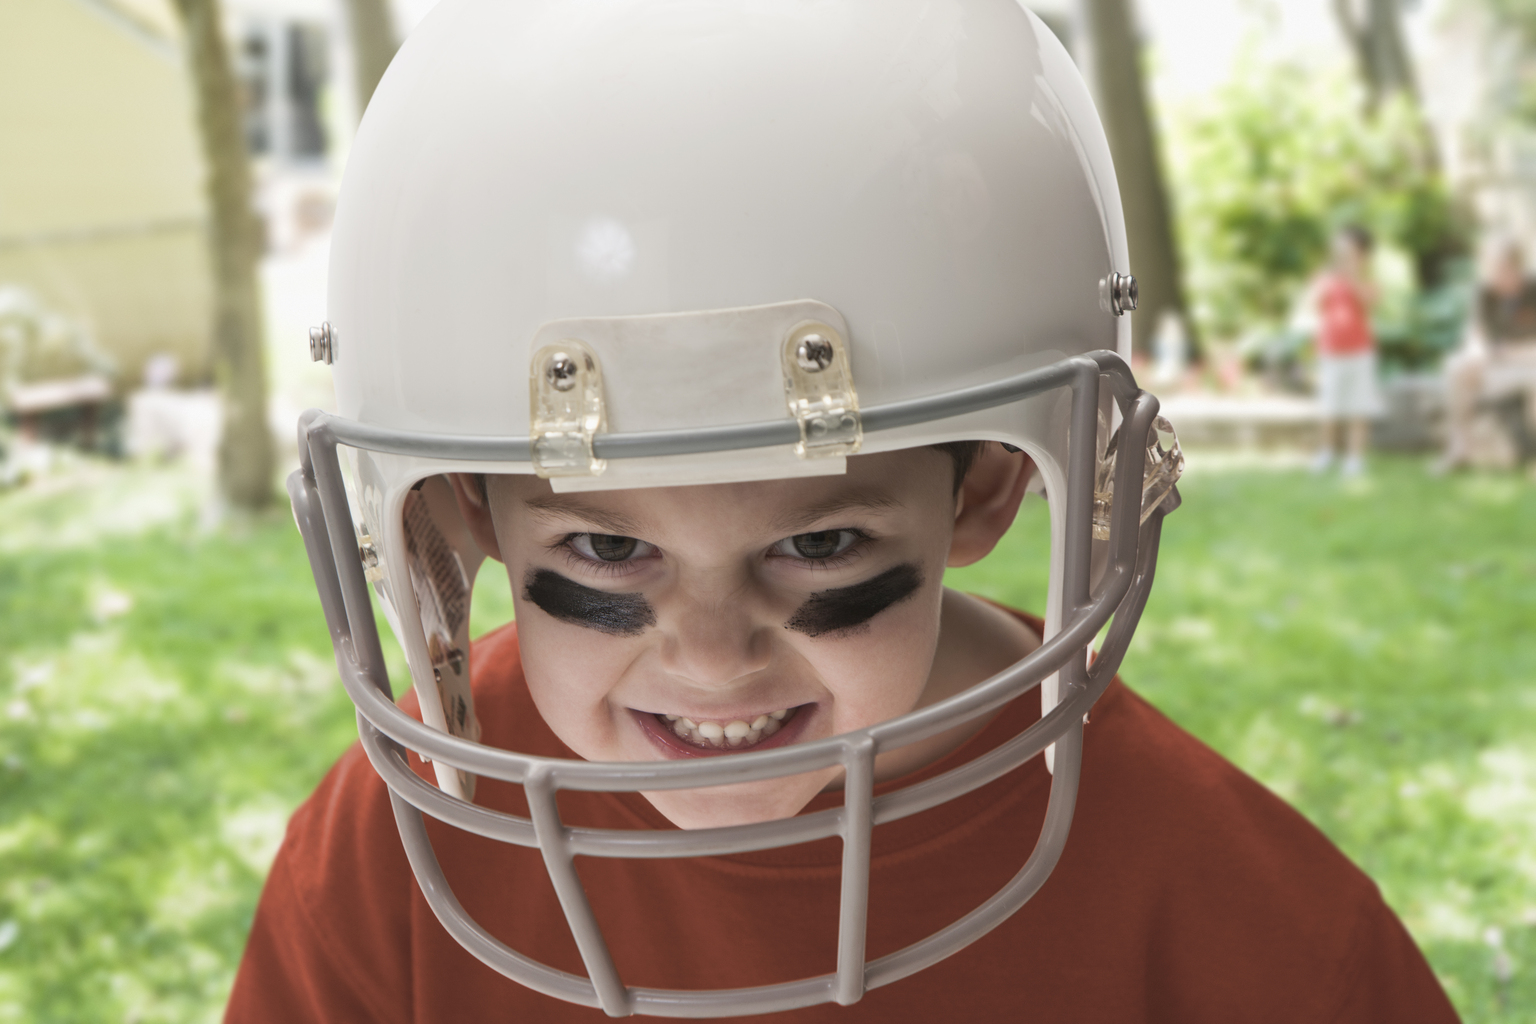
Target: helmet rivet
[[562, 372], [321, 347], [814, 353], [1122, 293]]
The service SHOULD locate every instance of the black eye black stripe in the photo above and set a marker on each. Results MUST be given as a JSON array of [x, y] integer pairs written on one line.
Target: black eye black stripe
[[849, 608], [825, 612], [569, 601]]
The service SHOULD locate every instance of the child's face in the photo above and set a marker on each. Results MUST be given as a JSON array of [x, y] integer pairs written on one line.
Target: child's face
[[704, 621], [1348, 256]]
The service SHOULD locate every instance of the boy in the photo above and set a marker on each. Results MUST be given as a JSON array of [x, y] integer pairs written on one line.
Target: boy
[[1346, 350], [1199, 895], [741, 753]]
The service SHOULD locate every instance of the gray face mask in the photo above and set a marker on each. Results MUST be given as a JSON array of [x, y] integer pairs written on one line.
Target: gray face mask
[[1112, 502]]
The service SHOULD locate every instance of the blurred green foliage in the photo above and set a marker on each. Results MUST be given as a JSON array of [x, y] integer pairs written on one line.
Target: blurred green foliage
[[168, 696], [1268, 166], [37, 344]]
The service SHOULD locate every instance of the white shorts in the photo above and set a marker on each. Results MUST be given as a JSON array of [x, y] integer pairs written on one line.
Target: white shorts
[[1346, 386]]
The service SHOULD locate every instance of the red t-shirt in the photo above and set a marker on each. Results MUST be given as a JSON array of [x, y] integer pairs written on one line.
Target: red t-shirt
[[1186, 893], [1344, 323]]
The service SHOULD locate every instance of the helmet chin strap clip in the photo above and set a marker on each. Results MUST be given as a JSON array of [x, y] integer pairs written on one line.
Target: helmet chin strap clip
[[818, 387], [566, 400]]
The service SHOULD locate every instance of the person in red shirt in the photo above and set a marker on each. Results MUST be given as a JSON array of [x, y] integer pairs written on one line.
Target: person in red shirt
[[1346, 350], [1186, 892]]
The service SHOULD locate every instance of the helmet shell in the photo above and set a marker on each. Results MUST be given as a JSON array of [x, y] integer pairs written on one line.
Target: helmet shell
[[934, 171]]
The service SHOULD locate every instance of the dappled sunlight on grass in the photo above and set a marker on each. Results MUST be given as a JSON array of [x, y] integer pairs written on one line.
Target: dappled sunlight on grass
[[1364, 649], [167, 696], [98, 501]]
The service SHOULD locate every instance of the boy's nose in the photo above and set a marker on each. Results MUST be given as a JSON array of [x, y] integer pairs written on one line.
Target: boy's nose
[[715, 642]]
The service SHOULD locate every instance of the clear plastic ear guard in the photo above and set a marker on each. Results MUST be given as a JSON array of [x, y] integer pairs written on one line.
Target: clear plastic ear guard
[[1119, 500], [442, 588]]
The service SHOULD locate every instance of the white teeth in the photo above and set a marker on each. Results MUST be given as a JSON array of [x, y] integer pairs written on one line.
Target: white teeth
[[736, 733]]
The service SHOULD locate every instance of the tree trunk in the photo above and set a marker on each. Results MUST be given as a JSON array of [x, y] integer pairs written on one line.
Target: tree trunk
[[373, 45], [246, 458], [1380, 52], [1386, 69], [1138, 166]]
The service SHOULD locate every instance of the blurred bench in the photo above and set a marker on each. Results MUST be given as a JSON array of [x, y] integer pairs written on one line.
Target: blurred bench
[[1244, 421], [78, 399], [1414, 420]]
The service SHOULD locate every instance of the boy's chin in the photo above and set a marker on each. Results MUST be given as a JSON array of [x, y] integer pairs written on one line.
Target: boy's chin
[[744, 804]]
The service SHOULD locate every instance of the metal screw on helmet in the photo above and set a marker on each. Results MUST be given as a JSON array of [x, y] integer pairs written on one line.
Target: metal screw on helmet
[[814, 353], [322, 348], [562, 372], [1122, 293], [368, 554]]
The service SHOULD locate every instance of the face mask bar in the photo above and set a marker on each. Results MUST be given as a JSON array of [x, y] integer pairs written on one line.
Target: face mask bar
[[324, 518]]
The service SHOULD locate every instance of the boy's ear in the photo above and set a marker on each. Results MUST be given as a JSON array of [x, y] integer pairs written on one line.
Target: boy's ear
[[476, 510], [989, 499]]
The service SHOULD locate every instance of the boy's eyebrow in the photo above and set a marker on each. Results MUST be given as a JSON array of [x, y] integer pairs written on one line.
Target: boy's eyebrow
[[552, 507], [808, 515]]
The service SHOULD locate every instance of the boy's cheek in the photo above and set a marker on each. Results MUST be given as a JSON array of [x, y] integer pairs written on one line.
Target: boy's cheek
[[570, 680], [878, 672]]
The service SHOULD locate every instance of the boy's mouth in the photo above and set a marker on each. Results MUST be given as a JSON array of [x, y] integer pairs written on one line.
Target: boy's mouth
[[737, 733], [684, 736]]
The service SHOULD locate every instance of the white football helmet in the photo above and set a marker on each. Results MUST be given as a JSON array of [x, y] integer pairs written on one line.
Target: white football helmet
[[656, 242]]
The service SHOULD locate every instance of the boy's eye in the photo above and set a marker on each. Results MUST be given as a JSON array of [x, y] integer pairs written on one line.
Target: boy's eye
[[817, 546], [606, 547]]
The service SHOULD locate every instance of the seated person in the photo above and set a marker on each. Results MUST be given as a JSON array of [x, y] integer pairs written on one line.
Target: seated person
[[1497, 360]]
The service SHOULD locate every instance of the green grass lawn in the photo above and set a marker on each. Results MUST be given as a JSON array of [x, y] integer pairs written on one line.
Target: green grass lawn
[[167, 695]]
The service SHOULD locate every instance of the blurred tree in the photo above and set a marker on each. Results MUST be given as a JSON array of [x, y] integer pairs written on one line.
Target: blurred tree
[[1386, 68], [1272, 163], [1376, 37], [1133, 141], [1510, 53], [246, 458], [1518, 15], [373, 44]]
